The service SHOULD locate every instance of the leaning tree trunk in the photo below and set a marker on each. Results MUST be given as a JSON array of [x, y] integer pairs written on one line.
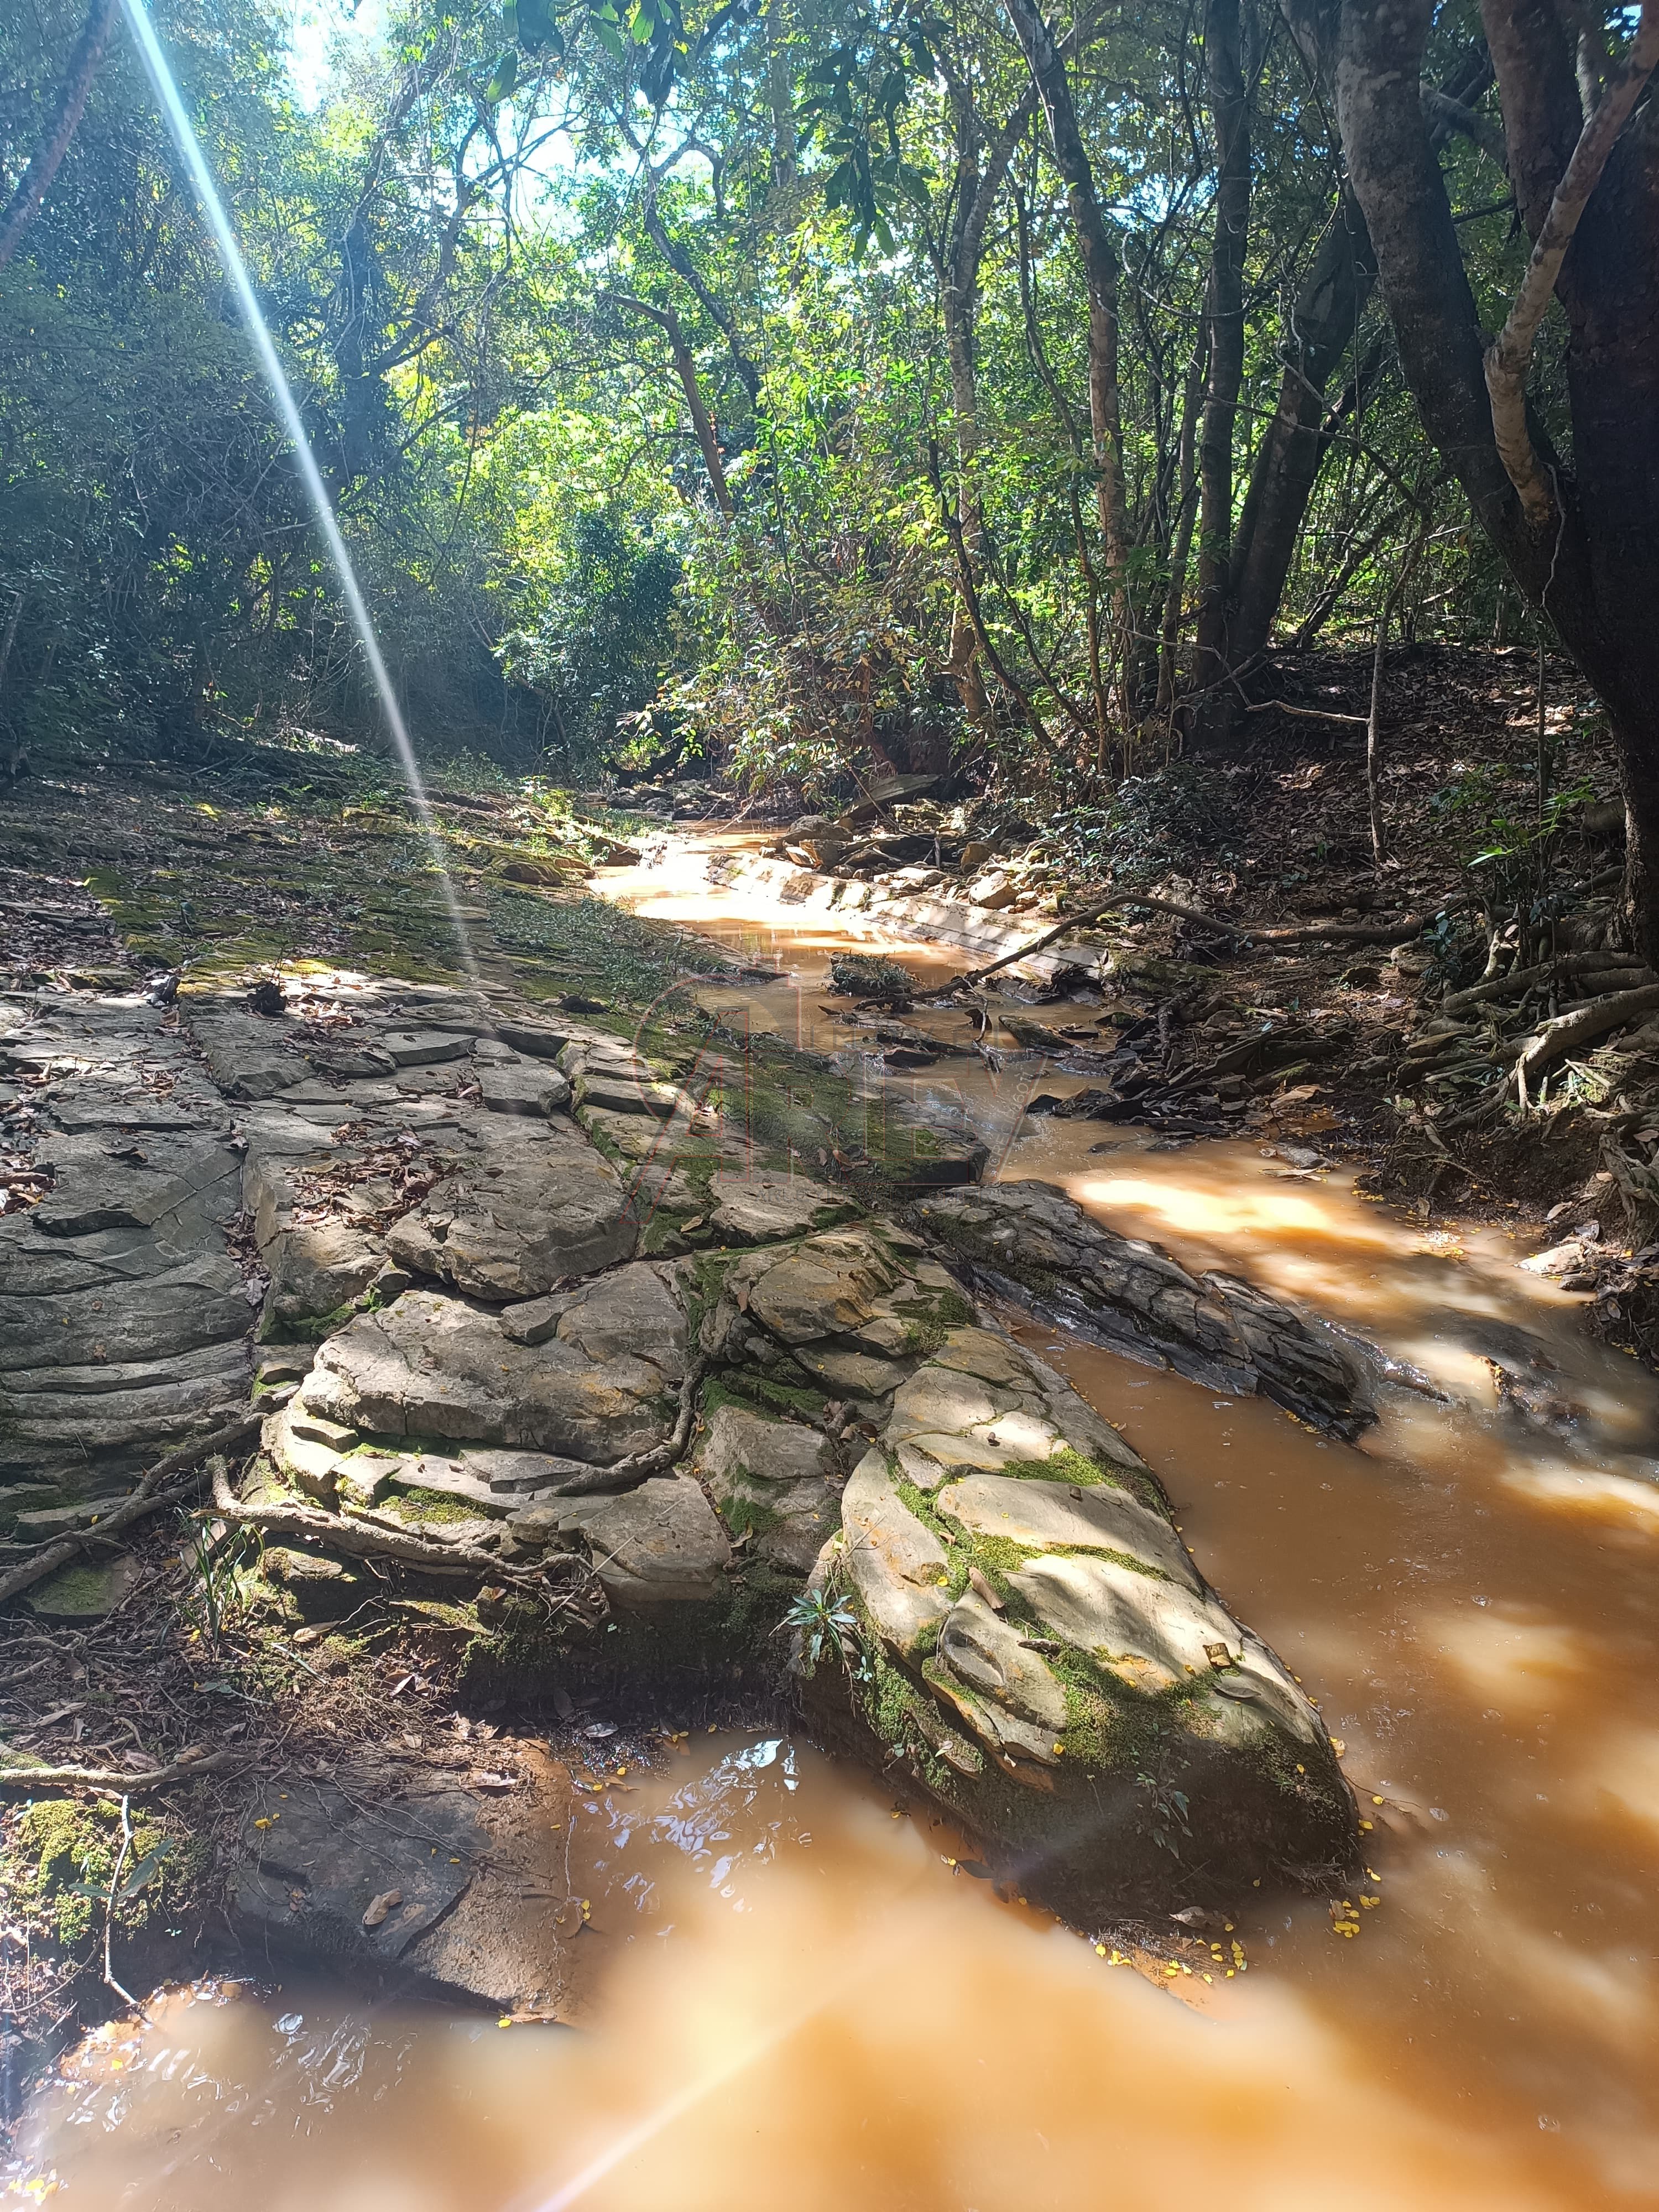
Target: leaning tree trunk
[[1229, 112], [1332, 300], [1591, 566], [1292, 449], [36, 180], [1100, 271]]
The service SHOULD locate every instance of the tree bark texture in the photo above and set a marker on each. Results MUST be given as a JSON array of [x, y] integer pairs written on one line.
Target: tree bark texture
[[1593, 568]]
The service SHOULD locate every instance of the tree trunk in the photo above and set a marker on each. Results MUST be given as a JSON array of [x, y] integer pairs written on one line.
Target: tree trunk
[[1181, 546], [685, 368], [1594, 569], [1223, 67], [36, 180], [1333, 298], [958, 256], [1100, 270]]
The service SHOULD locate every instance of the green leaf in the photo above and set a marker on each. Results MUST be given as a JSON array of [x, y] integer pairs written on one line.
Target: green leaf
[[605, 31], [144, 1873], [505, 77]]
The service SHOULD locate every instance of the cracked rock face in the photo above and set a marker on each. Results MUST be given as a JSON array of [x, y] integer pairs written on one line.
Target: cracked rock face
[[525, 1207], [1030, 1242], [848, 1313], [771, 1478], [124, 1319], [431, 1365]]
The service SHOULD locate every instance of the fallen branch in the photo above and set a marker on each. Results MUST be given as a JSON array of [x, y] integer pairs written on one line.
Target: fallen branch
[[110, 1982], [1559, 1037], [115, 1777], [148, 1498]]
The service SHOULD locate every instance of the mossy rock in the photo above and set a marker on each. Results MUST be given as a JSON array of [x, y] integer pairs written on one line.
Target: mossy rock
[[57, 1866], [86, 1590]]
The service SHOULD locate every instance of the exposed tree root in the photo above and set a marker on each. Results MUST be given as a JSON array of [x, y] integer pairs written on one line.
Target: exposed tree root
[[1399, 932], [360, 1537], [1558, 1038], [148, 1498]]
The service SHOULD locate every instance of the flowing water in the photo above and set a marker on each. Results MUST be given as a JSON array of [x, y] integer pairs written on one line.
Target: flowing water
[[796, 1998]]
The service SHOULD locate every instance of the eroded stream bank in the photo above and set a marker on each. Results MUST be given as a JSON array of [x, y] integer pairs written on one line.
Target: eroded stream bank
[[1468, 1593]]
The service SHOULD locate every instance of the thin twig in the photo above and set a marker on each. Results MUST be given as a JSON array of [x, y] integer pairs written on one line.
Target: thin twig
[[110, 1981]]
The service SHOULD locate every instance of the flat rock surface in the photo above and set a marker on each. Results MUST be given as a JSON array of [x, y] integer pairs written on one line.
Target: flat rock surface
[[483, 1912], [659, 1544], [1053, 1515]]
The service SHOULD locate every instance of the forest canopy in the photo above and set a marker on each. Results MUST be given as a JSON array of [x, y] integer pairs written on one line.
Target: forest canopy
[[827, 388]]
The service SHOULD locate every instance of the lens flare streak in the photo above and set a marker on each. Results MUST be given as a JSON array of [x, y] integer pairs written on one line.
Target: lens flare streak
[[264, 345]]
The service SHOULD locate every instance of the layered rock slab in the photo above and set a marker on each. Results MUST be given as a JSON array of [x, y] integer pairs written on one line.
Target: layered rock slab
[[1029, 1241], [122, 1316], [530, 1406]]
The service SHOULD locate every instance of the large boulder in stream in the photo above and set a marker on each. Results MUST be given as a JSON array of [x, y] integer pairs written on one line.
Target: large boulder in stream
[[1017, 1626]]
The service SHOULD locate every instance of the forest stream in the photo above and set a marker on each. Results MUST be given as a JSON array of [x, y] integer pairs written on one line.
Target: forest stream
[[797, 1993]]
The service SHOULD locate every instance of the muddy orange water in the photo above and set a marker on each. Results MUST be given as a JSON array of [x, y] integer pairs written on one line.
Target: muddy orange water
[[796, 2000]]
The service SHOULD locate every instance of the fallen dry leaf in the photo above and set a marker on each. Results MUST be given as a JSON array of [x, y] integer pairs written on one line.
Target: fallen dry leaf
[[381, 1905]]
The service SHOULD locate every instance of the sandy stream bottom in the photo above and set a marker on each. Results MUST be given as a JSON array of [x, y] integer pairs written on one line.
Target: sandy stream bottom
[[798, 2001]]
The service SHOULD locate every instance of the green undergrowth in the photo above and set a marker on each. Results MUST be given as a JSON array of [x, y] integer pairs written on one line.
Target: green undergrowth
[[758, 1394], [1067, 1466], [60, 1858]]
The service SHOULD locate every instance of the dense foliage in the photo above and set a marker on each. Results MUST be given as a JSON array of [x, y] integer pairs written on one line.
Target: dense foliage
[[738, 361]]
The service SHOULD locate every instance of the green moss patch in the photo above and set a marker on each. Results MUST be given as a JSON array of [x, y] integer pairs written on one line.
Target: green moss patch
[[57, 1868], [416, 1504]]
